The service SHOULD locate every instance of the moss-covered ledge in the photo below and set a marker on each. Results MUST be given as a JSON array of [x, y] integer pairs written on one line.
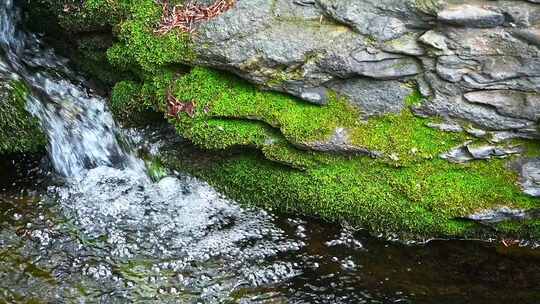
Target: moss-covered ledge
[[19, 131], [416, 203], [416, 194]]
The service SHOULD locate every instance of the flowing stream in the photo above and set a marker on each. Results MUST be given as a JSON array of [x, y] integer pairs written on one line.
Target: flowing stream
[[99, 230]]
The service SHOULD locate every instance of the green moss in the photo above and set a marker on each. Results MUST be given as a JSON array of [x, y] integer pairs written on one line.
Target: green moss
[[405, 138], [19, 131], [226, 96], [128, 102], [141, 47], [525, 229], [422, 200], [402, 138], [415, 99]]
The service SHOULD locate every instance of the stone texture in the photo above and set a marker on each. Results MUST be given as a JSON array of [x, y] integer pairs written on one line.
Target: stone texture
[[478, 62], [471, 16], [530, 176], [501, 214], [469, 152]]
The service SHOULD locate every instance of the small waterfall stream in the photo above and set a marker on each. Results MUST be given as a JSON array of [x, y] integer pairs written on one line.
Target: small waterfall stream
[[82, 133], [108, 234]]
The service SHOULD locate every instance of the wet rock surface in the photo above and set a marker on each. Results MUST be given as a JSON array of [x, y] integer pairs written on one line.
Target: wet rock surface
[[476, 61]]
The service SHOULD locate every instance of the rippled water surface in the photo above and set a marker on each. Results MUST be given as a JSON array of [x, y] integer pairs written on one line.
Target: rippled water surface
[[113, 238]]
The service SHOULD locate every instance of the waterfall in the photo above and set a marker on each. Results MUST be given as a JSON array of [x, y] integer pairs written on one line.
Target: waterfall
[[82, 133]]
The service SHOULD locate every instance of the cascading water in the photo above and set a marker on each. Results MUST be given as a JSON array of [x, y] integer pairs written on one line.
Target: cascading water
[[82, 133], [111, 235]]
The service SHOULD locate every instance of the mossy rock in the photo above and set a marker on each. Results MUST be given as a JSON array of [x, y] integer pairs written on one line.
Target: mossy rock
[[417, 194], [19, 131]]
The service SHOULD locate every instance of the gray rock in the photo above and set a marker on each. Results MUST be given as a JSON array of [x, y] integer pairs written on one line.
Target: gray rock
[[501, 214], [530, 177], [530, 35], [338, 143], [450, 126], [470, 16], [373, 97], [488, 151], [435, 40], [477, 62], [457, 155], [469, 152], [510, 103]]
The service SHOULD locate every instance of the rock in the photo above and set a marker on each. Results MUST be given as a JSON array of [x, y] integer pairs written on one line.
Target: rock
[[510, 103], [435, 40], [530, 177], [367, 17], [500, 214], [373, 97], [488, 151], [468, 152], [530, 35], [406, 45], [458, 155], [470, 16], [450, 126], [338, 143]]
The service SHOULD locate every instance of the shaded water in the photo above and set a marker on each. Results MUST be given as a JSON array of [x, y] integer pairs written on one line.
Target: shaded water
[[125, 245], [102, 231]]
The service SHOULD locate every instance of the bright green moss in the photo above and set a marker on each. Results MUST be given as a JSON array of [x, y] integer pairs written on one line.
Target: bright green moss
[[414, 99], [19, 132], [226, 96], [405, 138], [141, 47], [128, 100], [421, 200], [401, 138]]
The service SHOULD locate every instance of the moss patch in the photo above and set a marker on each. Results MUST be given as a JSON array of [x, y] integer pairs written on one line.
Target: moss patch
[[19, 131], [423, 200], [140, 48], [231, 112]]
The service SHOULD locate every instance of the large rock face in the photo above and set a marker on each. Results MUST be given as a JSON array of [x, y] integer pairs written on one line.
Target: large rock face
[[477, 61]]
